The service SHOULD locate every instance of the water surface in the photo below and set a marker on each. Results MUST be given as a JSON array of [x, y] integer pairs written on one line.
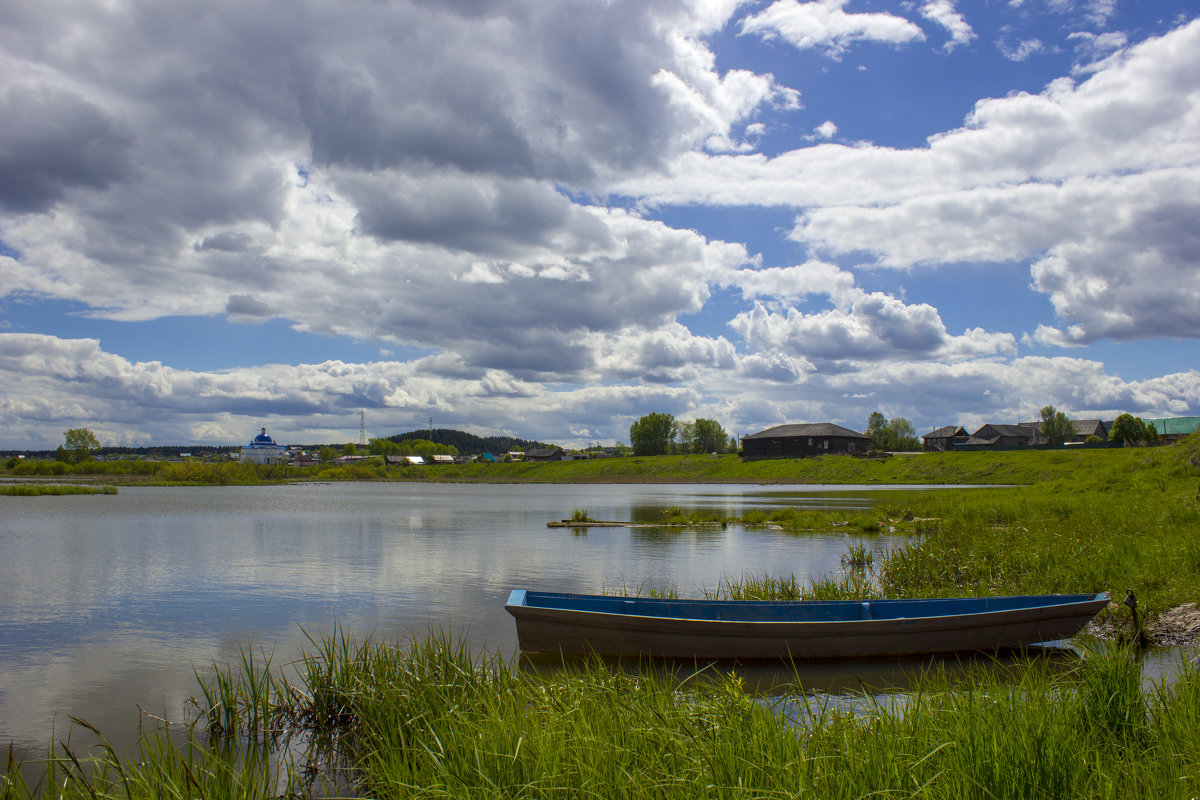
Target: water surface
[[108, 603]]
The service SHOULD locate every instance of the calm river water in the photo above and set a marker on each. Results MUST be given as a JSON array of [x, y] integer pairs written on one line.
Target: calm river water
[[108, 603]]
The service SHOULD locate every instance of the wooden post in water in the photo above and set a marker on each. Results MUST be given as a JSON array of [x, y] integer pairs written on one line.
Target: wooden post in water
[[1139, 634]]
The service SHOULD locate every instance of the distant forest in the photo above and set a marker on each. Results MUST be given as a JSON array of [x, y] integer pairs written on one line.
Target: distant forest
[[469, 444], [155, 451]]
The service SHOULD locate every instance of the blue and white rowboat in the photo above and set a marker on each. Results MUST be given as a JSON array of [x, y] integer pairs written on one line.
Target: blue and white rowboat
[[580, 624]]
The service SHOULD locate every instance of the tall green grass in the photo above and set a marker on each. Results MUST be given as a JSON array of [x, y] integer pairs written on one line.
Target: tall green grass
[[429, 719], [436, 721]]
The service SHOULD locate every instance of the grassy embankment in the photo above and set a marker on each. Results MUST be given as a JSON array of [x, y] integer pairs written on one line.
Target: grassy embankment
[[927, 468]]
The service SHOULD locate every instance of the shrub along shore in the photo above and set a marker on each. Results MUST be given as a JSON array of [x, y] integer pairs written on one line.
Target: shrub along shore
[[428, 719]]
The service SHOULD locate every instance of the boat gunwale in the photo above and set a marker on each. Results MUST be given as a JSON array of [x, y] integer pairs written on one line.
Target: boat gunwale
[[1069, 602]]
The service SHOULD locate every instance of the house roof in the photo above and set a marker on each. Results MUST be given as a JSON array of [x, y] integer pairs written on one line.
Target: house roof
[[976, 441], [1089, 427], [805, 429], [543, 452], [1175, 426], [946, 432], [1021, 431]]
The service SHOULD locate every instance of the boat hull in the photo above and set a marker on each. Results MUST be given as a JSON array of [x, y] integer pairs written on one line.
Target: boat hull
[[614, 626]]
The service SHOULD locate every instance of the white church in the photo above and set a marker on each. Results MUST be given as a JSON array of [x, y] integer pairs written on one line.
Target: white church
[[263, 450]]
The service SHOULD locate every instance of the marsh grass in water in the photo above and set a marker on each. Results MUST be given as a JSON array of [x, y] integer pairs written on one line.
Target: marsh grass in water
[[851, 585], [430, 719], [808, 520], [52, 489], [645, 589], [677, 515]]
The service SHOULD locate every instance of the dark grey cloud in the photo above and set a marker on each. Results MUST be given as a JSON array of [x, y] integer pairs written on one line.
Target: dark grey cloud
[[53, 140], [497, 219], [551, 91], [247, 306], [225, 242], [534, 354]]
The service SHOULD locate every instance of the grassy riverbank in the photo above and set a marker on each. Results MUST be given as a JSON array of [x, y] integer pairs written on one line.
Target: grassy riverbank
[[429, 720], [1016, 467]]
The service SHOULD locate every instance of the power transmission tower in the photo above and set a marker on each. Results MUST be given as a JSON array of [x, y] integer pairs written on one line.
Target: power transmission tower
[[362, 427]]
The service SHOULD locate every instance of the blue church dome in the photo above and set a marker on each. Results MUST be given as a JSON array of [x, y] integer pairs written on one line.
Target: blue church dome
[[262, 438]]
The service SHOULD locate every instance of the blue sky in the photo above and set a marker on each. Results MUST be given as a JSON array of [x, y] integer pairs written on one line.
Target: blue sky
[[546, 220]]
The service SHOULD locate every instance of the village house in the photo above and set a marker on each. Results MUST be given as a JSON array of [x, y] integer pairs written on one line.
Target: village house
[[803, 440], [545, 454], [994, 435], [1085, 428], [944, 439]]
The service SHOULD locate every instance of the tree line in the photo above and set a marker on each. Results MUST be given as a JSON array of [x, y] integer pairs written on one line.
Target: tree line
[[657, 433], [660, 434], [896, 434], [468, 443]]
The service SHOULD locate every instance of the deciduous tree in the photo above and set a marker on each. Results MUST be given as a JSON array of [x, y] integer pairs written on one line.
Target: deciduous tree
[[651, 435], [709, 437], [901, 435], [894, 434], [1128, 429], [684, 437], [877, 430], [383, 447], [1056, 427], [78, 445]]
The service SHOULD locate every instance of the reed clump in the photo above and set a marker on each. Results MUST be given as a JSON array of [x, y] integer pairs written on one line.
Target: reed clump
[[852, 584], [810, 520]]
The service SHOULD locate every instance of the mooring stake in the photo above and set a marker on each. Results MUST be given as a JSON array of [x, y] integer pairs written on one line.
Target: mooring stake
[[1131, 601]]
